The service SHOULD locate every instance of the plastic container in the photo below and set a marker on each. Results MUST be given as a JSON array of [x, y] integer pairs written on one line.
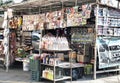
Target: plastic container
[[25, 66], [35, 76], [34, 65], [88, 69]]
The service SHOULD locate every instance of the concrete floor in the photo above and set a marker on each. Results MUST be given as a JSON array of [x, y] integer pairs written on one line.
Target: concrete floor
[[19, 76]]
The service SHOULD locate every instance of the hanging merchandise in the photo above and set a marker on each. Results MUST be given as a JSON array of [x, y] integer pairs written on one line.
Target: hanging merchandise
[[30, 22], [13, 23], [112, 3], [41, 22], [10, 13], [12, 46], [77, 16], [73, 18], [20, 21], [55, 20]]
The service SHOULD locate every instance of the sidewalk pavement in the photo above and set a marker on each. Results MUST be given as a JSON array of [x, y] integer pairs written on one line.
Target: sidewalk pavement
[[19, 76]]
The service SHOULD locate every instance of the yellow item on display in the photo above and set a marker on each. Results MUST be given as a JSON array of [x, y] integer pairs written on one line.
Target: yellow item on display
[[20, 21]]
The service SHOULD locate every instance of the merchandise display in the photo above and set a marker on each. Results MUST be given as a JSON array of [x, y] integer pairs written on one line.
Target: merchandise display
[[52, 66], [12, 46], [108, 37], [15, 22], [41, 22], [82, 35], [108, 22], [30, 22], [112, 3], [54, 43], [75, 17], [47, 73], [55, 20]]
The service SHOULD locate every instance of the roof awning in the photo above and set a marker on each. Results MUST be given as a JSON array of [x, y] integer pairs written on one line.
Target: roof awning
[[43, 3]]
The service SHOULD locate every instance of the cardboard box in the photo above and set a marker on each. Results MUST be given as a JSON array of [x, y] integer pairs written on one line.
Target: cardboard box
[[80, 58]]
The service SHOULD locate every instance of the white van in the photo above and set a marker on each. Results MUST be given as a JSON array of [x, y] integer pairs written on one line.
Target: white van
[[35, 40]]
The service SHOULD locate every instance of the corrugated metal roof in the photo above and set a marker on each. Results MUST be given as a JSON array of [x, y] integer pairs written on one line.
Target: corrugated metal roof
[[41, 3]]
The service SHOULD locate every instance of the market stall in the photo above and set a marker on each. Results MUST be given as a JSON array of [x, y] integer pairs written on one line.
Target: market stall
[[90, 28]]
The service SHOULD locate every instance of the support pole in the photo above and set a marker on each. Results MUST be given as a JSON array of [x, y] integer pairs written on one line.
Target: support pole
[[95, 48]]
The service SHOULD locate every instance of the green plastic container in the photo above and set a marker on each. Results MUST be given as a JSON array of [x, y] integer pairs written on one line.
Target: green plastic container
[[88, 69], [34, 65], [35, 76]]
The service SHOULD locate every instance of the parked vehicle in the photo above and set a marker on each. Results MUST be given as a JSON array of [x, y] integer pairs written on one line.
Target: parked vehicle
[[35, 40]]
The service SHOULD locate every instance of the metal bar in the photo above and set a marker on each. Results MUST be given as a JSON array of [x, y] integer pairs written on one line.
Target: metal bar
[[95, 48], [110, 70]]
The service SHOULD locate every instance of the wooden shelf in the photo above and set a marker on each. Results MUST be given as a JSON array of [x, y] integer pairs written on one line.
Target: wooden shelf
[[60, 79]]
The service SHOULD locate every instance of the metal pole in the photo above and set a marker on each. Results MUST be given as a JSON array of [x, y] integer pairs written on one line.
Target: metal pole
[[95, 47], [6, 41]]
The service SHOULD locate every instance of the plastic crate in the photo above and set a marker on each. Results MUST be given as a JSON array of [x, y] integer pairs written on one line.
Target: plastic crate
[[35, 76], [34, 65]]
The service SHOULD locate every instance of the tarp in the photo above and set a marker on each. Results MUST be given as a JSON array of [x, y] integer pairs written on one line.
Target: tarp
[[108, 52]]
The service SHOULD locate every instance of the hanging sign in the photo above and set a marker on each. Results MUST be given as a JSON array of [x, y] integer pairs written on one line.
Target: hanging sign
[[108, 52]]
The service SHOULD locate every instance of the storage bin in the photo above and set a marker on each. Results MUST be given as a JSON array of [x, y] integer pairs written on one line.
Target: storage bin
[[88, 69], [34, 65], [35, 76]]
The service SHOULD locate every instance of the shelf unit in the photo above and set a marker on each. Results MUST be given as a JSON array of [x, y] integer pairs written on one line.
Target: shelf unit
[[55, 66], [60, 79], [103, 18], [27, 38]]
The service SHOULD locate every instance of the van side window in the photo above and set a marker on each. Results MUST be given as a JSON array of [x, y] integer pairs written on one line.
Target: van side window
[[35, 38]]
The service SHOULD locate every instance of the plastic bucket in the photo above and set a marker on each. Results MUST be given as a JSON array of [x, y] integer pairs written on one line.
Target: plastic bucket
[[25, 66]]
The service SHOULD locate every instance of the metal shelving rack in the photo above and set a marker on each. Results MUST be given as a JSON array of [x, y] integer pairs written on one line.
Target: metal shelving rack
[[54, 67], [98, 5]]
